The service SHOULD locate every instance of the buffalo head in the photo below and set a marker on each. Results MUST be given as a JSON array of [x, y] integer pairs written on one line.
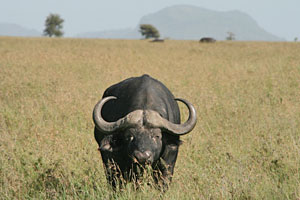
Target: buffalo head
[[142, 131]]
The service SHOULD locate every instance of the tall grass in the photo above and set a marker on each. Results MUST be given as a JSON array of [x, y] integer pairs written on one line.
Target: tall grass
[[246, 144]]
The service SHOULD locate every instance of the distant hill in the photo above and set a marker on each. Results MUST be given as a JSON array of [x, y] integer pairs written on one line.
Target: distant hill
[[7, 29], [128, 33], [191, 22]]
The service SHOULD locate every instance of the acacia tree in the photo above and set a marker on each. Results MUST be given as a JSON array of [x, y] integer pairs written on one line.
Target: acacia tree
[[149, 31], [53, 26]]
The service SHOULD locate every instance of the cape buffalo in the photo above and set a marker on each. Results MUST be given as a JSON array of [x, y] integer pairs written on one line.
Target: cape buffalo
[[137, 125], [207, 40], [157, 40]]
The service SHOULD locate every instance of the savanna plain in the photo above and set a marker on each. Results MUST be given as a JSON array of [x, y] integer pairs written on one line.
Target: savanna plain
[[246, 144]]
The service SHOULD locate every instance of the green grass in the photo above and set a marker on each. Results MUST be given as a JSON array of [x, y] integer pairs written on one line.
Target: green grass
[[246, 144]]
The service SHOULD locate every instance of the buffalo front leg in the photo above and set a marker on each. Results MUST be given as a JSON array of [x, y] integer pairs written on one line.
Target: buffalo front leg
[[166, 165]]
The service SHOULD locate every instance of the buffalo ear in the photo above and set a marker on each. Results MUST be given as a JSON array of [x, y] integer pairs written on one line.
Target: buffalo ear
[[179, 142], [105, 145]]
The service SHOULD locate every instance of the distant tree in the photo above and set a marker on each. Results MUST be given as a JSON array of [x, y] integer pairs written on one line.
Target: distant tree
[[230, 36], [296, 39], [149, 31], [53, 26]]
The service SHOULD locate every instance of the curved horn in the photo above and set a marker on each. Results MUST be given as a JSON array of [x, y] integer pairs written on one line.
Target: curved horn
[[177, 129], [111, 127], [189, 125]]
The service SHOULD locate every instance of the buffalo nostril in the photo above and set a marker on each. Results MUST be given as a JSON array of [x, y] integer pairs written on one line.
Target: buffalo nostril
[[147, 154], [143, 157]]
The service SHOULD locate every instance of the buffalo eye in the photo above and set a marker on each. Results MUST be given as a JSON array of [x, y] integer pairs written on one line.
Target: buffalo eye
[[130, 138], [156, 137]]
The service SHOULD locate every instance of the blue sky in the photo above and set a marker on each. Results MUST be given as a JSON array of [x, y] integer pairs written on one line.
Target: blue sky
[[280, 17]]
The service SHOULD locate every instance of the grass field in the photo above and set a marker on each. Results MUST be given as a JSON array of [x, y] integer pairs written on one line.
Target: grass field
[[246, 144]]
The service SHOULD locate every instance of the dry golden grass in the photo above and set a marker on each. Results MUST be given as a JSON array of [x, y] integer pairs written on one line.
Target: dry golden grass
[[246, 144]]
